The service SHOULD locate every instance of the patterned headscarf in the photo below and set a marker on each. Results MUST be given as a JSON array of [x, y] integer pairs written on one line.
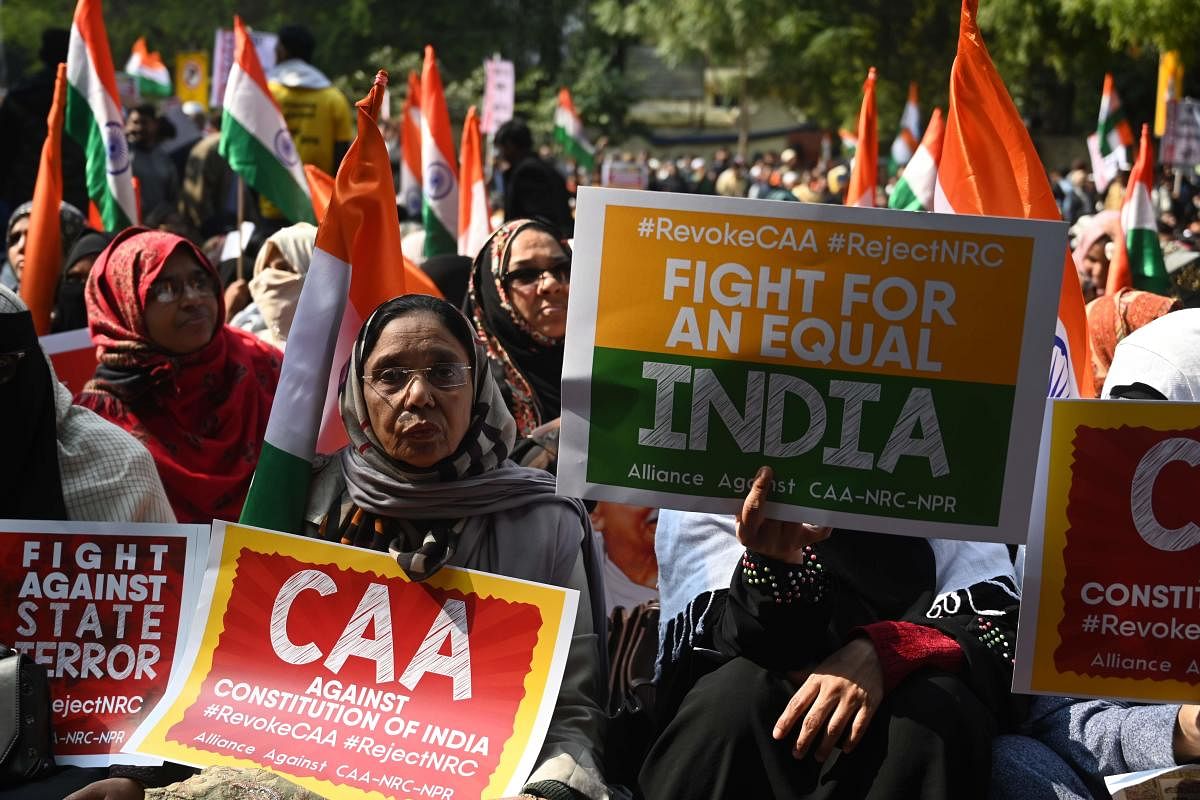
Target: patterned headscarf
[[1113, 317], [531, 363], [433, 504]]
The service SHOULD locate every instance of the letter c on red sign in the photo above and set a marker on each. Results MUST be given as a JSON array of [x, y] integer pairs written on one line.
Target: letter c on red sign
[[1141, 495], [292, 587]]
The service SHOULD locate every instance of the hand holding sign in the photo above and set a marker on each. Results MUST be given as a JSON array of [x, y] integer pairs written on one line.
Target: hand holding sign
[[782, 541]]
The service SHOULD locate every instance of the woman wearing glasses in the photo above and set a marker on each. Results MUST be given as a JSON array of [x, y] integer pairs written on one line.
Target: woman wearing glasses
[[196, 392], [426, 477], [520, 284]]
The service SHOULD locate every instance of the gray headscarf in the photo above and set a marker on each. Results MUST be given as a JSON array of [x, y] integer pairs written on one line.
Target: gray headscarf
[[70, 219]]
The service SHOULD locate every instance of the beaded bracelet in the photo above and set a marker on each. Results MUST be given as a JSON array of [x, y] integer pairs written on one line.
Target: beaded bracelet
[[788, 583]]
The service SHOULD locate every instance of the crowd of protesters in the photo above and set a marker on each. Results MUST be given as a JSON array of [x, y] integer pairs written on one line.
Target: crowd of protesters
[[850, 686]]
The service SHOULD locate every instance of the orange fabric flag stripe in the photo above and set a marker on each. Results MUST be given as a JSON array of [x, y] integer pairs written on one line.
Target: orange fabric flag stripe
[[43, 243], [990, 167], [866, 159]]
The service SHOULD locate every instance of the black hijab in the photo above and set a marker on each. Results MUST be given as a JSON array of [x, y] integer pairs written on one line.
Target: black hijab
[[32, 486]]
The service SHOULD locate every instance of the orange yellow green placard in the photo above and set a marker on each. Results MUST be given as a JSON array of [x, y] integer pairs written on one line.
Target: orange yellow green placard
[[890, 366], [1111, 598], [323, 663]]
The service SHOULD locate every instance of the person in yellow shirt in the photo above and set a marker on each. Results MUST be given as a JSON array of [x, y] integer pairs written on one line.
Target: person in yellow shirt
[[318, 115]]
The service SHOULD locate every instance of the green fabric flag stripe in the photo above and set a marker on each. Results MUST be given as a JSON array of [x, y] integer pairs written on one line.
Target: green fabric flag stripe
[[1146, 262], [263, 171], [438, 240], [279, 491], [573, 148], [904, 198], [1108, 125], [81, 126], [148, 87]]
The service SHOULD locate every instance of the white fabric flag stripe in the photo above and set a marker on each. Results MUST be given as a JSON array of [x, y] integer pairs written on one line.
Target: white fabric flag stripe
[[472, 240], [108, 118], [301, 398], [257, 114], [921, 176]]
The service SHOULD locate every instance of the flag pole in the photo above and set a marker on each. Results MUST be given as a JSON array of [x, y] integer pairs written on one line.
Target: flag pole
[[241, 215]]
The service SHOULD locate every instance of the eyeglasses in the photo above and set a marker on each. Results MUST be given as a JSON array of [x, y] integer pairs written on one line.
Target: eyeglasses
[[9, 363], [169, 290], [390, 381], [530, 276]]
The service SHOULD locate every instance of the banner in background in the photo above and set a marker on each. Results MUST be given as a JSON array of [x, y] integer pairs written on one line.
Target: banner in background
[[105, 608], [499, 94], [891, 367], [323, 663], [191, 77], [264, 47], [1111, 604]]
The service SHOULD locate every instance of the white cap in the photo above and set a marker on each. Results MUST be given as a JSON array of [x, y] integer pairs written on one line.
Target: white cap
[[1164, 355], [192, 108]]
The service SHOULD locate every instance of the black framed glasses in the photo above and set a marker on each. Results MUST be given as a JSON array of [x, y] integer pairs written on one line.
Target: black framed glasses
[[390, 381], [169, 290], [528, 277]]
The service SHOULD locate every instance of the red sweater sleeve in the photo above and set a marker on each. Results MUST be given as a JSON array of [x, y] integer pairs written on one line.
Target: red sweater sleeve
[[904, 647]]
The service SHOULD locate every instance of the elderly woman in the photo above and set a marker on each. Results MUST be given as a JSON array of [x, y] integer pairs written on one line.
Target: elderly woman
[[427, 478], [520, 283], [71, 223], [196, 392]]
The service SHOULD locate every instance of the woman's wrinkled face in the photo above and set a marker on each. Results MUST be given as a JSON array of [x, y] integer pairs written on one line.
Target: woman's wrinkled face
[[181, 305], [538, 281], [418, 417]]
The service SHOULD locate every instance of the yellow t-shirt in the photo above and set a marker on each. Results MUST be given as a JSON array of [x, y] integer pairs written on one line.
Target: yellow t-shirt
[[316, 118]]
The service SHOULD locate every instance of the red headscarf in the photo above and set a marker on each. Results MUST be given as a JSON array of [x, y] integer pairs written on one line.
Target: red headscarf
[[202, 416], [1112, 317]]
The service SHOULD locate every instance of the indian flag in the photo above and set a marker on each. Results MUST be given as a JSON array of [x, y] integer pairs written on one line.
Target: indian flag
[[849, 141], [914, 189], [1139, 260], [904, 146], [865, 173], [1112, 128], [254, 135], [43, 241], [344, 285], [95, 121], [410, 148], [148, 70], [439, 195], [568, 131], [990, 167], [474, 217]]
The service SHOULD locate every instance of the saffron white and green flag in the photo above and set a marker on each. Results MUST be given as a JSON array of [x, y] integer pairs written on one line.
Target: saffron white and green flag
[[1139, 260], [439, 167], [904, 146], [254, 135], [95, 121], [568, 132], [344, 285], [914, 190], [148, 70]]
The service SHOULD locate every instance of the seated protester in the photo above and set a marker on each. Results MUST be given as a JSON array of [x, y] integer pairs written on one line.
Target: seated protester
[[1112, 317], [196, 392], [520, 284], [279, 270], [426, 477], [70, 310], [1073, 744], [70, 221], [800, 662], [63, 461]]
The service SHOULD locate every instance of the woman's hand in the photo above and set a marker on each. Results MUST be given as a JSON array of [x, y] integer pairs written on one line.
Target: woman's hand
[[782, 541], [110, 789], [845, 689]]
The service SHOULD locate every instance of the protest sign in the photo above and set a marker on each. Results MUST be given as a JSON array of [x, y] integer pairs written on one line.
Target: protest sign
[[105, 608], [323, 663], [73, 356], [1110, 605], [222, 61], [891, 367], [499, 94], [191, 77]]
